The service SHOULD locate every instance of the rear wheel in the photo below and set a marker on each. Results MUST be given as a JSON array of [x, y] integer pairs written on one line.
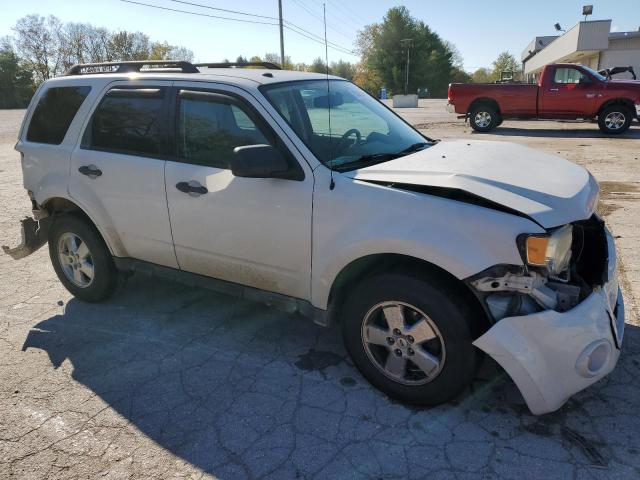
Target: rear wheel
[[410, 339], [81, 259], [483, 118], [615, 119]]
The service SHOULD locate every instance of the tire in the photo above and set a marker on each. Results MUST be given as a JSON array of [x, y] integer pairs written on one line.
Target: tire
[[483, 118], [615, 119], [380, 298], [88, 270]]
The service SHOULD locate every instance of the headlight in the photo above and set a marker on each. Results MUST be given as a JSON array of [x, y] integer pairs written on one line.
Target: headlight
[[552, 251]]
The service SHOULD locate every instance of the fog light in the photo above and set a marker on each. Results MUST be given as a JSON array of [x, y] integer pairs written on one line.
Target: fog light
[[594, 358]]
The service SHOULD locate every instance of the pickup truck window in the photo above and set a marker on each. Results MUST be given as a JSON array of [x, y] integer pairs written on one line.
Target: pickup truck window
[[210, 127], [567, 75], [363, 131]]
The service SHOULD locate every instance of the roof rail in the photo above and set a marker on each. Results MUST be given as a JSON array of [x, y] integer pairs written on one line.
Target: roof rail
[[268, 65], [130, 66]]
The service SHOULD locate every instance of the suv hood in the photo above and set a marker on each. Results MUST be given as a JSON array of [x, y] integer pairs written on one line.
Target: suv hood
[[548, 189]]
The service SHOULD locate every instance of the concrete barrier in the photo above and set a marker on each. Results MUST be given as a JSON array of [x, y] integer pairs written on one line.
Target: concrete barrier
[[405, 101]]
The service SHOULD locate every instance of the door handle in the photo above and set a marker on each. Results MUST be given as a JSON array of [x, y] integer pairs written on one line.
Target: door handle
[[193, 188], [553, 89], [90, 171]]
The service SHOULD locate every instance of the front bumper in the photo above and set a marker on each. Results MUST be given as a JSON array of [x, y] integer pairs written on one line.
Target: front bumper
[[638, 110], [551, 355]]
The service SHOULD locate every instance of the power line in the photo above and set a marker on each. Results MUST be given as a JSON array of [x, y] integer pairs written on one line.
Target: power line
[[288, 25], [318, 17], [318, 37]]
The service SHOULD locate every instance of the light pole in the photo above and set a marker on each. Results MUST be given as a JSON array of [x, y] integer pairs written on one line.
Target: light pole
[[406, 42]]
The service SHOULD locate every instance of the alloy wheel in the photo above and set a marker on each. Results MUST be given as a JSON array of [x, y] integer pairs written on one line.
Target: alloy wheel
[[75, 259], [403, 343]]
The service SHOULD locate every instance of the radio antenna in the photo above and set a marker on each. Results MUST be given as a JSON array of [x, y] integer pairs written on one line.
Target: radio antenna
[[332, 184]]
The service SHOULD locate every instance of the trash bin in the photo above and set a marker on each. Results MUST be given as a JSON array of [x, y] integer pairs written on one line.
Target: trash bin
[[423, 92]]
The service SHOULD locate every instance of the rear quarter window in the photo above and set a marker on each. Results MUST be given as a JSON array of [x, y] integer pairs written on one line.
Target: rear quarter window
[[54, 113]]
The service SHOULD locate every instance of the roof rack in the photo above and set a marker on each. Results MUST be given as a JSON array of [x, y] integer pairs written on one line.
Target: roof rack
[[267, 65], [130, 66]]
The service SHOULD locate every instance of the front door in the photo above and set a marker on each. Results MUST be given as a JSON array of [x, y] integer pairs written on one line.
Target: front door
[[571, 94], [250, 231], [117, 172]]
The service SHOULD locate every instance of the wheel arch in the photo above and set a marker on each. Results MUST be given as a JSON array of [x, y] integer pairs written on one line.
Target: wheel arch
[[484, 101], [369, 265], [627, 102], [64, 206]]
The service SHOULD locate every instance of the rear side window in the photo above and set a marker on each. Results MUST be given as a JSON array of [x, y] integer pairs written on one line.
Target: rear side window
[[129, 121], [54, 113]]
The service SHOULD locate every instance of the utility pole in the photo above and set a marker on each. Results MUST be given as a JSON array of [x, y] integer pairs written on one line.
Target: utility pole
[[406, 42], [281, 35]]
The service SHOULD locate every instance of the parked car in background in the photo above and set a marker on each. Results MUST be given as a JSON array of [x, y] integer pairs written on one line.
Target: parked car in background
[[425, 252], [563, 92]]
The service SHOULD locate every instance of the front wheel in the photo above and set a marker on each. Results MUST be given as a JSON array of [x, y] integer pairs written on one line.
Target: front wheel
[[81, 259], [409, 338], [615, 119], [483, 118]]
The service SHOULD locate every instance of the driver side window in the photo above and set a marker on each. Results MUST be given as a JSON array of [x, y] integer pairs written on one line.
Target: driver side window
[[210, 126], [567, 75]]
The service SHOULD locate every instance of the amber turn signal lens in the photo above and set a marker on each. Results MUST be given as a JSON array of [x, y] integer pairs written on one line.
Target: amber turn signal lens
[[537, 250]]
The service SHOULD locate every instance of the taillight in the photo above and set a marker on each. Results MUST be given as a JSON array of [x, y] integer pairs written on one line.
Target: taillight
[[450, 94]]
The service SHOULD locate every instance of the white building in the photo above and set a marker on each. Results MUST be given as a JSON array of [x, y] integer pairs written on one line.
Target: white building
[[589, 43]]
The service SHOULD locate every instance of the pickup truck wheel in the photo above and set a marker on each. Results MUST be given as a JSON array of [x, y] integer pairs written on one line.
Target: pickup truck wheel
[[409, 338], [483, 118], [81, 259], [615, 119]]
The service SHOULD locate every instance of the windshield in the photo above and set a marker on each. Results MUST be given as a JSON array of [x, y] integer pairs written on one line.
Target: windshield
[[363, 131], [602, 78]]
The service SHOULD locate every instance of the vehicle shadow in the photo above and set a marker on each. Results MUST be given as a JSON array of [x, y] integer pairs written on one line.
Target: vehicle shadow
[[632, 134], [242, 390]]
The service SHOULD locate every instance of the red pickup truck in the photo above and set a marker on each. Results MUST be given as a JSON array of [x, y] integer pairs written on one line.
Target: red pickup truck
[[564, 91]]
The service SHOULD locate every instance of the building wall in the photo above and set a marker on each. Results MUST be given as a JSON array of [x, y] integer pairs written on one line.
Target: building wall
[[583, 37], [622, 52]]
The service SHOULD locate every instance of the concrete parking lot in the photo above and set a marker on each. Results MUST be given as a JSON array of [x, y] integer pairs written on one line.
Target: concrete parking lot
[[166, 381]]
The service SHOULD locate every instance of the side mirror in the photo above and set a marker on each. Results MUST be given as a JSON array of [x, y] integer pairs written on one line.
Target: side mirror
[[259, 161]]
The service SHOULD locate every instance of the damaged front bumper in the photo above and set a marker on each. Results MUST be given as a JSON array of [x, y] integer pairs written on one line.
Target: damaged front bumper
[[34, 236], [552, 355]]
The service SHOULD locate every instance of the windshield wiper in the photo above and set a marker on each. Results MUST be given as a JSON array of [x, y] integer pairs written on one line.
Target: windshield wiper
[[374, 158]]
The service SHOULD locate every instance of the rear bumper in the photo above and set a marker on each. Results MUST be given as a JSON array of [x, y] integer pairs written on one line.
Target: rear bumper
[[638, 110], [551, 355], [34, 235], [451, 108]]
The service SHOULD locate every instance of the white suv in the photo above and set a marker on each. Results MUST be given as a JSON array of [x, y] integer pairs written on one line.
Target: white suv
[[303, 191]]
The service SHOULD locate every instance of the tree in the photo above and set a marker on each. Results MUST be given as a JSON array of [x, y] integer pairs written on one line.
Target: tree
[[38, 41], [459, 76], [481, 75], [16, 82], [275, 58], [505, 63], [343, 69], [383, 53], [318, 66]]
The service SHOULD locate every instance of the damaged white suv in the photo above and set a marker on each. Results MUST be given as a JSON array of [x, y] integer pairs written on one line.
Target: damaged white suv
[[305, 192]]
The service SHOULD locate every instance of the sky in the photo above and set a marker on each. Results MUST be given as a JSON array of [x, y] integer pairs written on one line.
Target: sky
[[481, 29]]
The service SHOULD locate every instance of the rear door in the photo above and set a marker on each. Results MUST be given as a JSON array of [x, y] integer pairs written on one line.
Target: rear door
[[571, 93], [117, 172], [251, 231]]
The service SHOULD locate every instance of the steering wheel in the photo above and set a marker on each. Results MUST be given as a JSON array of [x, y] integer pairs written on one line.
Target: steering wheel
[[343, 142]]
